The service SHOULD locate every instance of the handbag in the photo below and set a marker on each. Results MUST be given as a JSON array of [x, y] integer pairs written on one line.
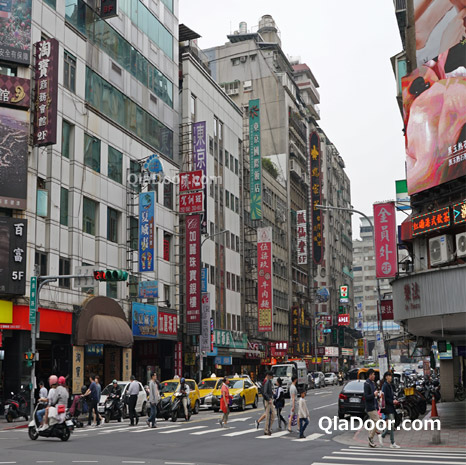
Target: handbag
[[230, 401], [294, 420]]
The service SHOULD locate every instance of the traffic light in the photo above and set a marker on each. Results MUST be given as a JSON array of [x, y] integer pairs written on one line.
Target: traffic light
[[110, 275], [341, 337], [28, 358]]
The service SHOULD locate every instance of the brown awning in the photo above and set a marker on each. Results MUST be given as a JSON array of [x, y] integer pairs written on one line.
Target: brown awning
[[104, 329]]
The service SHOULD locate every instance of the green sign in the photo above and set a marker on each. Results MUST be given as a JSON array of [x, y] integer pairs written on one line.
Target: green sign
[[33, 301], [225, 339], [255, 159]]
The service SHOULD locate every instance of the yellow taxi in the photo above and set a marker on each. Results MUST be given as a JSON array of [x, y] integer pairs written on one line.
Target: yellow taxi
[[243, 391], [206, 388], [168, 388]]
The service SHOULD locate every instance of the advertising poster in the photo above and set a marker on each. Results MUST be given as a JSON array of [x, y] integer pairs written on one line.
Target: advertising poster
[[316, 194], [386, 251], [15, 91], [15, 27], [255, 159], [148, 289], [168, 324], [301, 233], [434, 99], [200, 163], [205, 332], [127, 364], [264, 279], [193, 274], [78, 369], [146, 231], [145, 320]]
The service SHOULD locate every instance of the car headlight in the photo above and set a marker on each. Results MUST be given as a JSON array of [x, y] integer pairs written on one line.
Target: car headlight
[[237, 396]]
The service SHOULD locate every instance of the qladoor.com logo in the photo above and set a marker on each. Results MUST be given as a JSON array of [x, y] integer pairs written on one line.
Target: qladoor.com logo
[[329, 425]]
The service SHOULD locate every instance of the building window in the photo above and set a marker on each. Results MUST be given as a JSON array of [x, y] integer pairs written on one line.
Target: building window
[[135, 173], [237, 205], [112, 225], [69, 75], [238, 323], [228, 280], [232, 165], [233, 282], [64, 195], [211, 189], [112, 290], [115, 162], [168, 195], [227, 159], [92, 152], [51, 3], [133, 282], [236, 167], [133, 233], [227, 239], [247, 86], [237, 244], [166, 295], [66, 139], [64, 269], [89, 216], [238, 285], [193, 108], [211, 145], [166, 246], [212, 274], [41, 262]]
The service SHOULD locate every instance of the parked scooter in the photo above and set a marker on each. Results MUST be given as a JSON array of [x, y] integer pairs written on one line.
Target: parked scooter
[[60, 430], [177, 409], [17, 406], [164, 408]]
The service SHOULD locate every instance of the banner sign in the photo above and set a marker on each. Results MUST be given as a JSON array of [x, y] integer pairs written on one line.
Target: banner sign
[[168, 324], [205, 330], [316, 198], [386, 307], [343, 319], [301, 233], [386, 253], [46, 95], [191, 181], [200, 163], [108, 9], [278, 349], [15, 91], [223, 338], [295, 324], [204, 272], [145, 320], [192, 202], [264, 279], [127, 364], [344, 299], [459, 213], [431, 221], [78, 369], [403, 200], [95, 350], [223, 360], [146, 231], [15, 27], [179, 359], [148, 289], [347, 351], [255, 159], [331, 351], [193, 273]]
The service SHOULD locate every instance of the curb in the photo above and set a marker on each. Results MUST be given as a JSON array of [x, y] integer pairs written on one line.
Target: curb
[[14, 427]]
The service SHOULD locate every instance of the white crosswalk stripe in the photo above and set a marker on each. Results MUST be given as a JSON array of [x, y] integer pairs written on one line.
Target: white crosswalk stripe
[[182, 429], [200, 433], [239, 433], [311, 437], [274, 435]]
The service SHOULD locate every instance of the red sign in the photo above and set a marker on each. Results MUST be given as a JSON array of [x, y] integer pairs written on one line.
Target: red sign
[[46, 103], [279, 349], [386, 307], [432, 221], [343, 319], [166, 250], [327, 319], [316, 197], [15, 91], [193, 270], [191, 181], [192, 202], [386, 258], [264, 279], [168, 324], [179, 359]]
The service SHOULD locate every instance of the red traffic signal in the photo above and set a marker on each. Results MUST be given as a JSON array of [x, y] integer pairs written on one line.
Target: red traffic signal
[[100, 275], [110, 275], [28, 356]]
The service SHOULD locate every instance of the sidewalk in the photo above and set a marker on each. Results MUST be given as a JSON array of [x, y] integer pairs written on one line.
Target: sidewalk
[[452, 416]]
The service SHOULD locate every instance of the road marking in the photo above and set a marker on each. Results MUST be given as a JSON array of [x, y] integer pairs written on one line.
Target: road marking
[[180, 463], [240, 419], [395, 451], [45, 461], [391, 460], [239, 433], [154, 430], [389, 453], [274, 435], [312, 437], [198, 433], [324, 406], [131, 461], [182, 429], [85, 461], [7, 462]]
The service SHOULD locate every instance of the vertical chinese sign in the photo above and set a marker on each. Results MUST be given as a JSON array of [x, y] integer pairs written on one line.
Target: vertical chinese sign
[[46, 96], [205, 333], [78, 369], [200, 163], [316, 198], [193, 274], [294, 327], [301, 233], [386, 257], [255, 159], [179, 359], [127, 364], [146, 231], [264, 279]]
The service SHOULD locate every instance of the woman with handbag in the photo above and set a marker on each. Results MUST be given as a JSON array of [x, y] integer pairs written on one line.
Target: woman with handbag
[[388, 409], [279, 402], [225, 403]]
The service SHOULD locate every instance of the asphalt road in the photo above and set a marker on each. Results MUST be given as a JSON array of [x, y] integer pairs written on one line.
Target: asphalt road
[[202, 441]]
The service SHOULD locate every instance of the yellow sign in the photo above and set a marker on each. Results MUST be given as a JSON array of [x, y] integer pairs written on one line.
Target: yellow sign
[[360, 342], [361, 351], [190, 358], [6, 311], [319, 360], [78, 369], [127, 364]]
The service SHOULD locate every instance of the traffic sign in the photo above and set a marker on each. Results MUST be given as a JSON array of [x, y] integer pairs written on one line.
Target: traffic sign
[[33, 301], [86, 276]]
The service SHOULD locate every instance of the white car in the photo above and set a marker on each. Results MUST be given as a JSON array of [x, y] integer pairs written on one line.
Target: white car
[[141, 404], [331, 378]]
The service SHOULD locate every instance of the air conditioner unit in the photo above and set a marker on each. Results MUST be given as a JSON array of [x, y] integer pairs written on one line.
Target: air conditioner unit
[[234, 91], [461, 245], [441, 250]]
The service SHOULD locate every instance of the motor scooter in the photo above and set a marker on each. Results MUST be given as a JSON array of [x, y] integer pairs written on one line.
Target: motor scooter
[[340, 379], [177, 409], [17, 406], [164, 408], [60, 430], [113, 408]]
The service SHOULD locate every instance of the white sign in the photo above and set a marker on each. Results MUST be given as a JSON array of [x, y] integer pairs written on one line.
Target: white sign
[[205, 324], [331, 351]]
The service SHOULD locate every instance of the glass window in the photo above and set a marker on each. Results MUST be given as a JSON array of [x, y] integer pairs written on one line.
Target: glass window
[[112, 225], [232, 165], [236, 166], [237, 205], [168, 195], [237, 243], [112, 290], [226, 159], [92, 152], [115, 162], [135, 172], [8, 70], [66, 139], [41, 261], [133, 232], [64, 269], [64, 196], [193, 108], [232, 202], [228, 280], [238, 285], [89, 216], [52, 3], [69, 72]]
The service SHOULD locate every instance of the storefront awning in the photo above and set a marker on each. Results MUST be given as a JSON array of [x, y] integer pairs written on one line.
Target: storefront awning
[[104, 329]]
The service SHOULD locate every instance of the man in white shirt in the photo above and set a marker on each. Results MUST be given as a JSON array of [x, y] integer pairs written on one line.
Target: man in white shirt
[[42, 391], [184, 389], [293, 400], [133, 391]]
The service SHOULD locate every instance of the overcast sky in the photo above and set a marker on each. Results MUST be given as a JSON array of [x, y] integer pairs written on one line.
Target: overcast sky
[[348, 45]]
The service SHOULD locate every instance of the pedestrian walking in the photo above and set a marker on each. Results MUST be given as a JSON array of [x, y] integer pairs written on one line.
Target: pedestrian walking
[[303, 415], [389, 410], [91, 394], [154, 399], [133, 391], [262, 417], [370, 395], [99, 392], [293, 401], [42, 391], [225, 403], [279, 401], [269, 410]]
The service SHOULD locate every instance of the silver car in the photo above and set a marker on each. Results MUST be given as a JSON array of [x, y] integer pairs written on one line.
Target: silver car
[[331, 379], [319, 379]]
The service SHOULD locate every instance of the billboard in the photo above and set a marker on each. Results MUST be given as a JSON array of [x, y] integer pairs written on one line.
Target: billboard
[[264, 279], [145, 320], [168, 324], [15, 27], [316, 197], [200, 163], [146, 231], [193, 274], [15, 91], [301, 232], [255, 159], [439, 26], [386, 250], [14, 133], [434, 98], [205, 331]]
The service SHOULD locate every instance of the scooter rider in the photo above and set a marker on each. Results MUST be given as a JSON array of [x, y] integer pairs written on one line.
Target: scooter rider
[[51, 400], [184, 389], [115, 393]]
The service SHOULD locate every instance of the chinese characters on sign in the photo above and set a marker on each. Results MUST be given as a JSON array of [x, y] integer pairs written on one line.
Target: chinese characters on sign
[[95, 350], [168, 324], [278, 349], [146, 231], [431, 221], [46, 100], [301, 233], [179, 359], [264, 279], [255, 159], [191, 181], [412, 296], [386, 307], [193, 274], [459, 213], [343, 319], [295, 325], [302, 348], [205, 330], [200, 163], [316, 198], [78, 369], [148, 289], [386, 251], [127, 364], [145, 320], [15, 91], [192, 202]]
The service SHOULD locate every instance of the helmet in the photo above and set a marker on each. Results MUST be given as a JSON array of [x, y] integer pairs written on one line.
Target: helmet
[[84, 390], [61, 381], [182, 380], [53, 380], [114, 381]]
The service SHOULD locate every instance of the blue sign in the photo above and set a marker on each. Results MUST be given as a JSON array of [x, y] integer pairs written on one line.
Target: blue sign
[[148, 289], [203, 279], [327, 331], [223, 361], [322, 294], [96, 350], [146, 231], [153, 164], [145, 321], [213, 353]]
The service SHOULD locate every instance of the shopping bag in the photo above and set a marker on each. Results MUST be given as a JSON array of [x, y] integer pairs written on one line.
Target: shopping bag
[[294, 420]]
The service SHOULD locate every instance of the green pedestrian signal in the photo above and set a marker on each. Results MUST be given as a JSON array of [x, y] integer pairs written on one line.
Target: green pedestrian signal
[[110, 275]]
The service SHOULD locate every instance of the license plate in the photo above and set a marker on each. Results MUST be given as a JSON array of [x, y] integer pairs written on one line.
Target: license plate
[[69, 423], [356, 400], [100, 408]]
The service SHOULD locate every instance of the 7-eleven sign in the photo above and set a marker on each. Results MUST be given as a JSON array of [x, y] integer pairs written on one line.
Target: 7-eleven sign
[[344, 299]]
